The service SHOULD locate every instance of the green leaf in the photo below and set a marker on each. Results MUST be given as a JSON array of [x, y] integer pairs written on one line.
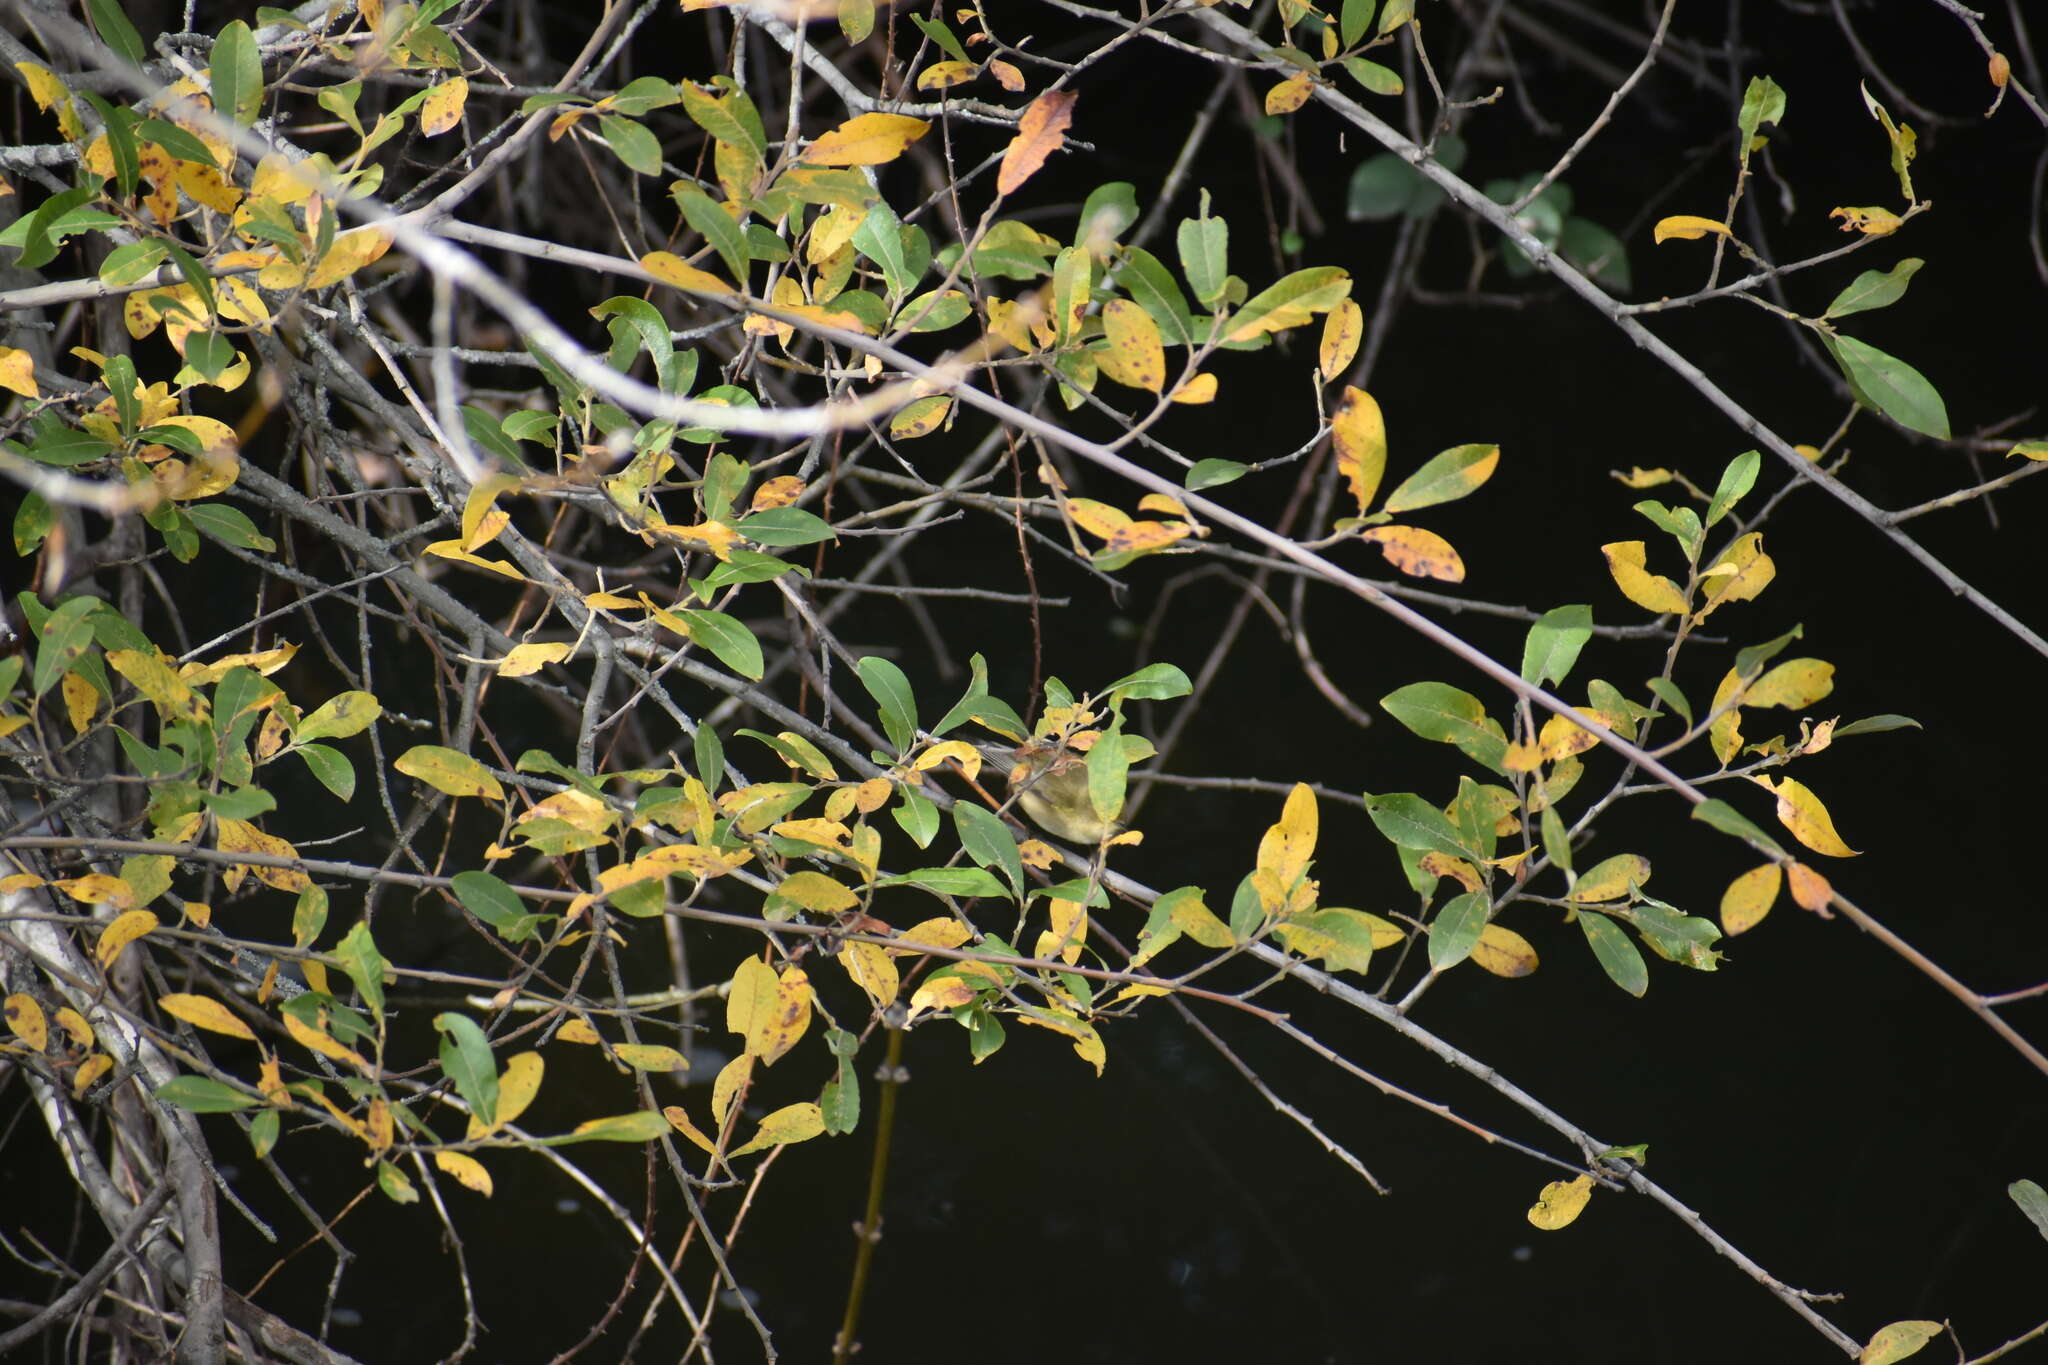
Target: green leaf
[[229, 526], [1596, 251], [64, 638], [1875, 289], [1682, 524], [1554, 642], [1729, 820], [880, 238], [1615, 954], [1762, 102], [1676, 936], [1736, 480], [42, 232], [918, 817], [1289, 302], [496, 904], [1354, 20], [1152, 287], [1668, 693], [1109, 765], [1377, 79], [119, 126], [357, 953], [643, 95], [718, 228], [204, 1095], [2033, 1202], [1108, 210], [1153, 682], [891, 690], [645, 1126], [1455, 930], [237, 75], [1557, 843], [1449, 715], [32, 521], [466, 1058], [949, 881], [1408, 821], [309, 916], [116, 31], [1871, 725], [1213, 474], [331, 767], [1889, 385], [785, 526], [731, 119], [728, 640], [1446, 477], [988, 841], [1204, 244], [633, 144], [127, 264]]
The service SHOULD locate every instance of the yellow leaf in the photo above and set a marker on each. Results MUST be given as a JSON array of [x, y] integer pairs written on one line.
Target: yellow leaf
[[1561, 737], [1342, 327], [866, 140], [578, 1031], [1638, 477], [448, 770], [1794, 683], [1870, 221], [1136, 358], [942, 932], [672, 269], [1200, 389], [466, 1169], [239, 836], [1810, 890], [943, 993], [1561, 1202], [1087, 1042], [74, 1025], [1359, 433], [1688, 226], [531, 658], [939, 75], [89, 1071], [1898, 1340], [520, 1081], [1652, 592], [320, 1041], [1288, 846], [442, 109], [452, 549], [871, 969], [780, 491], [1749, 898], [205, 1012], [791, 1123], [1801, 812], [1610, 880], [25, 1020], [18, 372], [731, 1079], [751, 997], [920, 418], [123, 930], [1417, 553], [650, 1057], [351, 252], [1504, 952], [1040, 132], [81, 700], [1741, 573], [1288, 96]]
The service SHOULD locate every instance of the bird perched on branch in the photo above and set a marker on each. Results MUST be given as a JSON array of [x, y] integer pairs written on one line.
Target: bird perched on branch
[[1050, 782]]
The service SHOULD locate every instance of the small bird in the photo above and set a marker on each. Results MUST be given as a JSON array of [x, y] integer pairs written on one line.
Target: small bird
[[1050, 782]]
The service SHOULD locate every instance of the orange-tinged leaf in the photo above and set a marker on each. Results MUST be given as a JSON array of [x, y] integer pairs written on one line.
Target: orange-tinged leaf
[[1652, 592], [1810, 890], [1417, 553], [466, 1169], [1358, 431], [123, 930], [1560, 1203], [25, 1021], [1136, 358], [442, 110], [1504, 952], [1040, 132], [670, 268], [1801, 812], [1199, 389], [680, 1121], [866, 140], [780, 491], [1342, 327], [202, 1011], [1288, 96], [1749, 898], [1687, 226], [1007, 76]]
